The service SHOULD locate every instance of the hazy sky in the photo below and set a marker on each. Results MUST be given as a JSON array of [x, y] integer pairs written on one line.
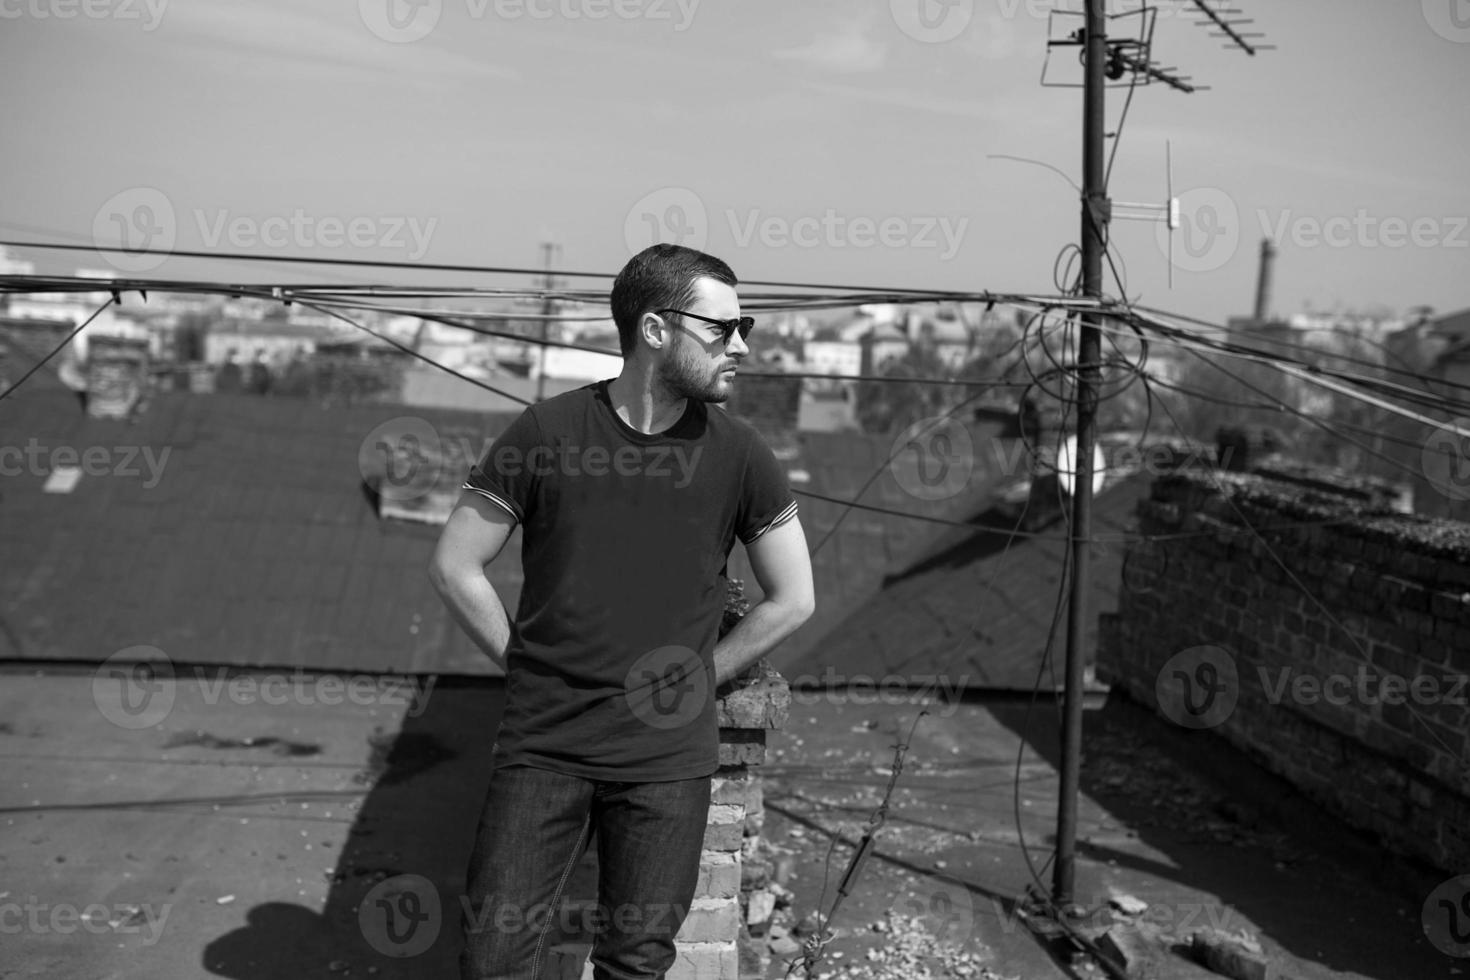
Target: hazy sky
[[843, 142]]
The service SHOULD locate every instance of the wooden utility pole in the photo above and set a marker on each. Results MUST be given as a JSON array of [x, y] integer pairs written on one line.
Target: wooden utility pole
[[1095, 216]]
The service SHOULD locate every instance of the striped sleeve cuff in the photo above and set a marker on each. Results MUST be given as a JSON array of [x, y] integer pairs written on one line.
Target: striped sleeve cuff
[[508, 506], [787, 514]]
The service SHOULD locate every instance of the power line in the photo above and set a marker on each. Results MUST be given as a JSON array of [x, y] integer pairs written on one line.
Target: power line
[[1297, 346], [1319, 376], [1127, 314], [432, 266]]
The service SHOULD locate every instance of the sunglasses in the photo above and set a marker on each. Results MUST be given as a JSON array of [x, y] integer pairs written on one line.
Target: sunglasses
[[728, 327]]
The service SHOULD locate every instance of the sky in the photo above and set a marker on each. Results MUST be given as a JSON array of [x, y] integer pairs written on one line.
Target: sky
[[863, 143]]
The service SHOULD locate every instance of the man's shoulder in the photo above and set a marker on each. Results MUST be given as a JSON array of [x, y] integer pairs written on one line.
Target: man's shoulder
[[726, 425], [564, 406]]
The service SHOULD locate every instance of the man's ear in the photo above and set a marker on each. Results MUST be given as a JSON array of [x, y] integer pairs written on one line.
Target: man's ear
[[651, 330]]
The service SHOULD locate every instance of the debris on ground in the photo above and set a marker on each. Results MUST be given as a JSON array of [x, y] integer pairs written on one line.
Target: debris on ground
[[909, 951]]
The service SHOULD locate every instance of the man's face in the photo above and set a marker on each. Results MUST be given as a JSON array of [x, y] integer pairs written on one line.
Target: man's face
[[697, 362]]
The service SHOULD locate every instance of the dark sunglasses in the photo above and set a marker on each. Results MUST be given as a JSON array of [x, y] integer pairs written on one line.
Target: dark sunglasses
[[728, 327]]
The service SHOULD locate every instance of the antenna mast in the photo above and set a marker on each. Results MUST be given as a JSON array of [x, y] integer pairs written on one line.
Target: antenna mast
[[1103, 59]]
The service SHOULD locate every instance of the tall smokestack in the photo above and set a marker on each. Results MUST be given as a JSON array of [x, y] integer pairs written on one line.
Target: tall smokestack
[[1263, 281]]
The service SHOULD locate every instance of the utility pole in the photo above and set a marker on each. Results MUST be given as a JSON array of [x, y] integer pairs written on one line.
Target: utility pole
[[1095, 215], [549, 251], [1104, 60]]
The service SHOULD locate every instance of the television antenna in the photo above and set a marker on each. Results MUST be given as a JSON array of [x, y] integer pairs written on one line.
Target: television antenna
[[1168, 212]]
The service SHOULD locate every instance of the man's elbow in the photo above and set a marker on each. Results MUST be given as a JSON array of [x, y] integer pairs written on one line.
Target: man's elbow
[[801, 606], [439, 574]]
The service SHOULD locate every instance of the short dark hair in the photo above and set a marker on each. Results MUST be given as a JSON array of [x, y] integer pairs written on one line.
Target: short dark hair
[[658, 278]]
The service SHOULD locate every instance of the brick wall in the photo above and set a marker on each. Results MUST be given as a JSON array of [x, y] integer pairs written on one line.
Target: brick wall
[[709, 944], [1331, 644]]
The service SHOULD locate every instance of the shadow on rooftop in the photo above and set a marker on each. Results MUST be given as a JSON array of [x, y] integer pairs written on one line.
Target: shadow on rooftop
[[1236, 840], [393, 908]]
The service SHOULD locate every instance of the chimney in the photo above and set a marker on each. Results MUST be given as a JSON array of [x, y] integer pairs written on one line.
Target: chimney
[[117, 375], [1263, 282]]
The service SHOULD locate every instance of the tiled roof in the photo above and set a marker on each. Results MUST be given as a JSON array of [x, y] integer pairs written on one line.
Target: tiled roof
[[237, 327], [974, 613], [1455, 325], [849, 568], [256, 544], [259, 545], [24, 342]]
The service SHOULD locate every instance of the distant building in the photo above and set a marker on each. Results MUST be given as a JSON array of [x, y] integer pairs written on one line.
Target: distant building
[[71, 310], [50, 306], [884, 342], [572, 365], [950, 337], [827, 408], [1265, 336], [276, 341], [12, 266], [1438, 351], [832, 357]]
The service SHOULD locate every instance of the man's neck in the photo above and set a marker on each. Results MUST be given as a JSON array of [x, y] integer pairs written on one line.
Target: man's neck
[[644, 405]]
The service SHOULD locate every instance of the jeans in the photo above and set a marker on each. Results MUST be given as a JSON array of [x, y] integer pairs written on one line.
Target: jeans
[[535, 827]]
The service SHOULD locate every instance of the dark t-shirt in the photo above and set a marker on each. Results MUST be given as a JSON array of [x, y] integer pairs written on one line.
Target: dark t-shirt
[[610, 670]]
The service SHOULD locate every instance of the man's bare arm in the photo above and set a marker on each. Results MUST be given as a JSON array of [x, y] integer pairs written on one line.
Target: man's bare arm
[[475, 533], [783, 568]]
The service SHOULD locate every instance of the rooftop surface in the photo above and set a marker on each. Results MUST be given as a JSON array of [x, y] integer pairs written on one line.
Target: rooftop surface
[[227, 831]]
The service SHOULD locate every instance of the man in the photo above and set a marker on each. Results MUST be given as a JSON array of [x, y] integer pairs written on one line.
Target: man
[[630, 493]]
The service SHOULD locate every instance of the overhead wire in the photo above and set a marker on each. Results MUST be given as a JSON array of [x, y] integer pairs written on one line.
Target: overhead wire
[[446, 267], [1407, 371], [1059, 369], [1340, 382]]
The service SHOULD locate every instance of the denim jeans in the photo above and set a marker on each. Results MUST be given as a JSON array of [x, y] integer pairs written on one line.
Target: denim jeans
[[535, 827]]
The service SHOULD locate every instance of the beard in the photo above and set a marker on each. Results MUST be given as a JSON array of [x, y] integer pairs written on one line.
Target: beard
[[686, 374]]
